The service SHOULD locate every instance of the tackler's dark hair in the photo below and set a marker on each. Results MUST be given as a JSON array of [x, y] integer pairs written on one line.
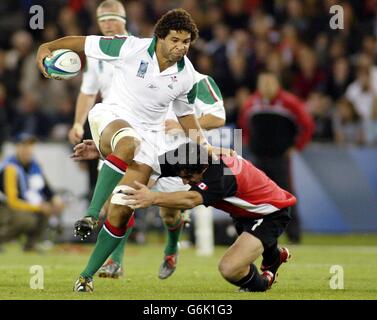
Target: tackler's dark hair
[[189, 158]]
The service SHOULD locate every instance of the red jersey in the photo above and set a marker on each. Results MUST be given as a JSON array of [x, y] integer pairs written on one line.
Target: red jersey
[[284, 104]]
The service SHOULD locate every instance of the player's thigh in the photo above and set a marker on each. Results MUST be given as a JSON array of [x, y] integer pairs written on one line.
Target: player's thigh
[[108, 133], [244, 251], [104, 121], [119, 214]]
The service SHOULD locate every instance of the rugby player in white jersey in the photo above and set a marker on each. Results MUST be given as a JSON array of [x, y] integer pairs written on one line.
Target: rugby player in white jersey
[[148, 75], [209, 109]]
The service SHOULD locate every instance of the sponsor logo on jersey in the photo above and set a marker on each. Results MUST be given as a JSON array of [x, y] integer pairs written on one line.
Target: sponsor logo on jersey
[[152, 86]]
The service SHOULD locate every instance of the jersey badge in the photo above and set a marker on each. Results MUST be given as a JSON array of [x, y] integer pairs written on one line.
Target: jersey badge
[[202, 186], [142, 69]]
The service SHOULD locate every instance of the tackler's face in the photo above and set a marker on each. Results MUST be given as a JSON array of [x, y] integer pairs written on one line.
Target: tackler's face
[[176, 45], [190, 177]]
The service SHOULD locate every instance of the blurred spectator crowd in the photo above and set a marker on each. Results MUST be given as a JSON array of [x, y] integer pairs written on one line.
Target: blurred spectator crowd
[[333, 71]]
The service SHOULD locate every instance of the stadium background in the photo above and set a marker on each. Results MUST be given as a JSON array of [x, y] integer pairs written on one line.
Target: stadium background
[[335, 181]]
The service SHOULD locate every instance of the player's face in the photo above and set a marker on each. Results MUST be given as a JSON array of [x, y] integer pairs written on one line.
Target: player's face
[[111, 27], [175, 45]]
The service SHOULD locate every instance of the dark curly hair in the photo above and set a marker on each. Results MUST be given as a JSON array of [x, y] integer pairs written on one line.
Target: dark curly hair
[[188, 158], [178, 20]]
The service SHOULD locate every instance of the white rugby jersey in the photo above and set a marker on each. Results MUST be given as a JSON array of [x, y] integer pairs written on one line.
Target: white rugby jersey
[[138, 86], [208, 101], [97, 77]]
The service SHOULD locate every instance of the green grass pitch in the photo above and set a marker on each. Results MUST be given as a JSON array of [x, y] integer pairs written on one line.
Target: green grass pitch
[[306, 276]]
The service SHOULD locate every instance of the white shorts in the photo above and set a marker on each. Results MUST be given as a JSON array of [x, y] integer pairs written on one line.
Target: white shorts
[[152, 140], [171, 184]]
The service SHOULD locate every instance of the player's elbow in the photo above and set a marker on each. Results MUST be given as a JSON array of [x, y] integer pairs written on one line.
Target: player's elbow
[[220, 122], [192, 200], [188, 204], [216, 122]]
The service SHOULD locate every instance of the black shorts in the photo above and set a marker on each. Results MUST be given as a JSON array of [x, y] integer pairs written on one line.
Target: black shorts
[[267, 229]]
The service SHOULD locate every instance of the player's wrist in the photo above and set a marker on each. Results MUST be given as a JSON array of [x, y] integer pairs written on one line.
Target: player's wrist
[[154, 198], [78, 126]]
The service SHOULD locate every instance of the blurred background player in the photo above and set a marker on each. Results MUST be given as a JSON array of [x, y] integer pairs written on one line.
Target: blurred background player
[[97, 78], [26, 199], [273, 122]]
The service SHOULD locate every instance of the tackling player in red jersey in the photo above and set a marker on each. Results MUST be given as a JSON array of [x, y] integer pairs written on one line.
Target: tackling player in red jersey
[[258, 206]]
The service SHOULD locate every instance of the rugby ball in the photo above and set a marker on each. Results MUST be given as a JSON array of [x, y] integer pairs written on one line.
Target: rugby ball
[[63, 64]]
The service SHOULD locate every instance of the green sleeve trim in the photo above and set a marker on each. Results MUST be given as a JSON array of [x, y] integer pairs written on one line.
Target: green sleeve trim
[[208, 92], [215, 87], [191, 96], [112, 46]]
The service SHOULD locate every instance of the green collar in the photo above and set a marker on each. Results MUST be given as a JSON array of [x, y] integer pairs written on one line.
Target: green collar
[[152, 49], [152, 46], [181, 64]]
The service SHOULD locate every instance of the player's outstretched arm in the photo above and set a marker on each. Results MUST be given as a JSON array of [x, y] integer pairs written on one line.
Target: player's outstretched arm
[[144, 198], [193, 130], [85, 150], [74, 43]]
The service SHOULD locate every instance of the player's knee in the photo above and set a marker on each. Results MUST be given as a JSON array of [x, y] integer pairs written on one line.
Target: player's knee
[[125, 144], [118, 216], [120, 209], [169, 216], [126, 149], [228, 270]]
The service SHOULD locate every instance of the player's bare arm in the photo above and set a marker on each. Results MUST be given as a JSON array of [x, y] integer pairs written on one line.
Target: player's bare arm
[[206, 122], [83, 105], [74, 43], [85, 150], [193, 130], [144, 198], [209, 122]]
